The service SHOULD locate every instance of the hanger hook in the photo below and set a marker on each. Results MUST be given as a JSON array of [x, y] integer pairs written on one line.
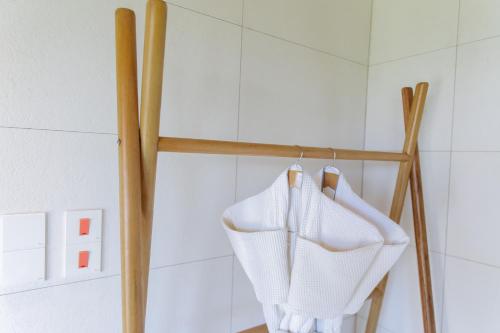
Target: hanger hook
[[334, 158], [300, 157]]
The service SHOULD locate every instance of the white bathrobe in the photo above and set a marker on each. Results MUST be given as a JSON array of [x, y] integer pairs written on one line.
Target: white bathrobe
[[310, 259]]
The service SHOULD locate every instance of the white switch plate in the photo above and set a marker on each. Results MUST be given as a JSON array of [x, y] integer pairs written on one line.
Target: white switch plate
[[76, 243], [73, 226], [22, 249], [71, 260], [22, 232], [22, 267]]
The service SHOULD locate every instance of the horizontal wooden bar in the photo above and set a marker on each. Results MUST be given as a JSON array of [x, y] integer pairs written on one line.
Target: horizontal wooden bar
[[187, 145]]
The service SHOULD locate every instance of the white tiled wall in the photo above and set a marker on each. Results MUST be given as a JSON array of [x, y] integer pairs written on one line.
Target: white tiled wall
[[455, 45], [403, 28], [385, 82], [341, 28], [291, 93], [472, 297], [477, 84], [402, 311], [279, 71]]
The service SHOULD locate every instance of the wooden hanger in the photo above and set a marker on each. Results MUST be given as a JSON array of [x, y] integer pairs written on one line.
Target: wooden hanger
[[330, 178], [331, 175]]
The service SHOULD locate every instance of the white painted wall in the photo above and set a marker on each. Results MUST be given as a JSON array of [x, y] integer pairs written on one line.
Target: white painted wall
[[455, 45], [279, 71]]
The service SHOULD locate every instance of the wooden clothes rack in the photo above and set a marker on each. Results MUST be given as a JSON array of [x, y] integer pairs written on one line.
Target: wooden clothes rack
[[139, 147]]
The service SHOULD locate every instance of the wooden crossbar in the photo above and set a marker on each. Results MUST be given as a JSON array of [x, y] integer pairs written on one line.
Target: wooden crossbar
[[139, 147], [187, 145]]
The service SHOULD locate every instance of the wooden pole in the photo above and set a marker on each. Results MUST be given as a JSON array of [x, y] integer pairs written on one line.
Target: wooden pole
[[130, 173], [405, 167], [186, 145], [417, 200], [152, 78]]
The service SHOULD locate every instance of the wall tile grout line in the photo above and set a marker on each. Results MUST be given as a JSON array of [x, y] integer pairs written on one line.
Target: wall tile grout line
[[55, 285], [306, 46], [435, 50], [195, 261], [269, 34], [236, 162], [474, 151], [443, 292], [478, 40], [56, 130], [231, 302], [461, 258], [363, 163], [412, 55], [204, 14], [460, 151], [474, 261]]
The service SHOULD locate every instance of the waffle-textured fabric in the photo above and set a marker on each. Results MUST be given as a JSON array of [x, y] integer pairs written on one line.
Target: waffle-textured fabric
[[310, 259]]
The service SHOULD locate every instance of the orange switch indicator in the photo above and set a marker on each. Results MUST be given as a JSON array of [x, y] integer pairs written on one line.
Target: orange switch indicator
[[83, 259], [84, 226]]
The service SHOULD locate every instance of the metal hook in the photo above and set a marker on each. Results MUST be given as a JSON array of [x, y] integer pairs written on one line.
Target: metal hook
[[300, 158]]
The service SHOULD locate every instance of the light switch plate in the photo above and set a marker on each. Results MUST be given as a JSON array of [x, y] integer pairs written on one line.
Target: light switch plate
[[76, 243], [22, 232], [73, 217], [23, 267], [71, 260], [22, 249]]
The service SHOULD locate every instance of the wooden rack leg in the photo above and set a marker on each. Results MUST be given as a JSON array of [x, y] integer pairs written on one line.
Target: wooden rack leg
[[417, 200], [152, 77], [257, 329], [130, 171], [405, 167]]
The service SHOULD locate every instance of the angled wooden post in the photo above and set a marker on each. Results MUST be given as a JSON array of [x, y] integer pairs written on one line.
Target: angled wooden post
[[419, 225], [129, 171], [405, 167], [152, 78]]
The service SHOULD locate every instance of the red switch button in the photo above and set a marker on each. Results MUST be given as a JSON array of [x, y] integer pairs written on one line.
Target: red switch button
[[83, 259], [84, 226]]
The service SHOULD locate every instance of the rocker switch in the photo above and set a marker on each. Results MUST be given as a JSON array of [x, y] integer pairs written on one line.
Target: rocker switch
[[83, 259], [84, 226]]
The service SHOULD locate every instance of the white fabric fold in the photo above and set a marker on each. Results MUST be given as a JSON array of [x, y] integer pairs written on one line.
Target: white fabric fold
[[323, 281], [395, 239], [263, 256]]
